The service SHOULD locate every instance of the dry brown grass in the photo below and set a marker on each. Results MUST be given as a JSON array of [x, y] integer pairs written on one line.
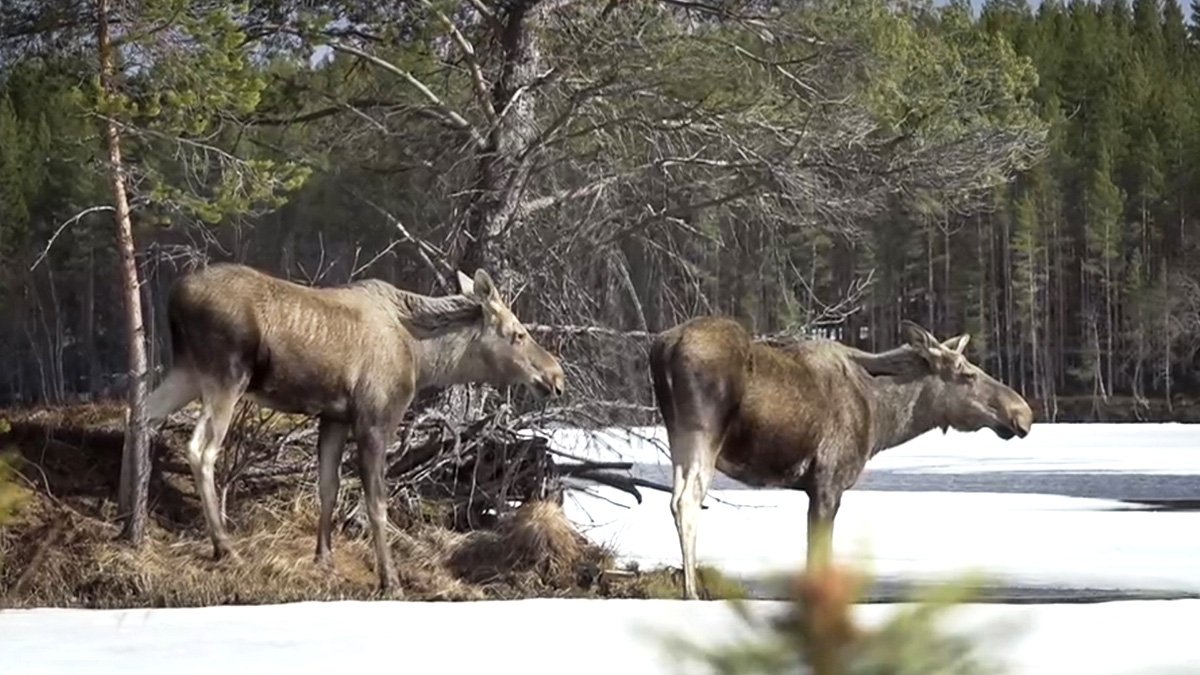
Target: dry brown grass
[[536, 547], [60, 548]]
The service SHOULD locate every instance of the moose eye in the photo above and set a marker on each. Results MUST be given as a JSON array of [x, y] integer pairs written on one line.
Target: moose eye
[[518, 337]]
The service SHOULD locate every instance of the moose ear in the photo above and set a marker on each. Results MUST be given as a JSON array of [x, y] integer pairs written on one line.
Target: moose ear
[[917, 337], [484, 288], [957, 344], [466, 286]]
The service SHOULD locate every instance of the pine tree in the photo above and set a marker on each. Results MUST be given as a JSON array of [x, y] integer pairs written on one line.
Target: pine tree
[[1147, 28], [1175, 37], [14, 209], [178, 97]]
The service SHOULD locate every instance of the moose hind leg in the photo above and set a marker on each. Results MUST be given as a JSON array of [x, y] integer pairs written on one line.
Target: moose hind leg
[[202, 455], [693, 472], [195, 456], [177, 390], [331, 441]]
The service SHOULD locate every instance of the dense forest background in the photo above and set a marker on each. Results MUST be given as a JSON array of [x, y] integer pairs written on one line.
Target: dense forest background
[[1028, 175]]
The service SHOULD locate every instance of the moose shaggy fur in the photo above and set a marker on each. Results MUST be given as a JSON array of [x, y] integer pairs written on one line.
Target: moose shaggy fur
[[355, 355], [807, 416]]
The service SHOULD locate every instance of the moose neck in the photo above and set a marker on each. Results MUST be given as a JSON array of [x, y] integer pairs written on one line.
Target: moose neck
[[445, 358], [444, 328], [904, 407]]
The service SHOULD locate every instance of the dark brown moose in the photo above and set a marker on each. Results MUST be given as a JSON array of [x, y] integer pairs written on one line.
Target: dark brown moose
[[807, 416], [354, 355]]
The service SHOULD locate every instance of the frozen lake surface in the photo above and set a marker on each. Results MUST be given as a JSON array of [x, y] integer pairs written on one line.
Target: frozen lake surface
[[1073, 511]]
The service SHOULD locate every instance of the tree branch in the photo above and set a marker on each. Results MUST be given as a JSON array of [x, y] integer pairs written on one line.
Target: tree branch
[[73, 219], [448, 114], [299, 118], [481, 88], [425, 251]]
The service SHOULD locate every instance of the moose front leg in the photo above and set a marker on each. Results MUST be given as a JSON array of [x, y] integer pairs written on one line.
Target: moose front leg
[[823, 504], [372, 455]]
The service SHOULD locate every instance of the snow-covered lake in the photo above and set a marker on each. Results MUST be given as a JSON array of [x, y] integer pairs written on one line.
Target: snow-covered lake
[[941, 504], [1011, 532]]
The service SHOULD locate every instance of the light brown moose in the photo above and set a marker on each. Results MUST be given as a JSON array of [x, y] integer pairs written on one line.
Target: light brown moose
[[355, 355], [807, 416]]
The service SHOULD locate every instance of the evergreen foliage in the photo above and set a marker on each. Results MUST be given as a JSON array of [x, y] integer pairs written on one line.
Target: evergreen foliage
[[1027, 174], [817, 633]]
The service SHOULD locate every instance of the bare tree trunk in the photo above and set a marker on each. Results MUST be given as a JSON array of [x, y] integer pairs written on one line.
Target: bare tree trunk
[[1005, 274], [89, 327], [1033, 335], [1167, 336], [983, 286], [1090, 303], [135, 458], [1049, 360], [946, 294], [1099, 390], [874, 322], [1001, 278], [505, 161], [1109, 309], [930, 319], [1060, 318], [503, 164], [56, 340]]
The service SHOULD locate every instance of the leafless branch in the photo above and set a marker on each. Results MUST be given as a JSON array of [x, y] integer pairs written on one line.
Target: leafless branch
[[59, 230], [482, 96], [446, 113], [425, 251]]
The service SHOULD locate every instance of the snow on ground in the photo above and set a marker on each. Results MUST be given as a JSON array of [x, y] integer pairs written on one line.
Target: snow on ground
[[542, 636], [1030, 539]]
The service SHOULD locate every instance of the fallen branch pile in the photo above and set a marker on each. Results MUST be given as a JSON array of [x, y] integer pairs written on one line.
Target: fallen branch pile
[[489, 466], [463, 475]]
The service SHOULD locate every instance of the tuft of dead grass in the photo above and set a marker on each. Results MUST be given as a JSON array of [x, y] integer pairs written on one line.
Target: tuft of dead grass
[[536, 548]]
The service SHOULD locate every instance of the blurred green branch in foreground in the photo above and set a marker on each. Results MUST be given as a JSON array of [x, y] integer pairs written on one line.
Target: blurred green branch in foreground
[[817, 633]]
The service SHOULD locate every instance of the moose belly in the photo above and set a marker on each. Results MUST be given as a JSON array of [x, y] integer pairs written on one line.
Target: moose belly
[[763, 473], [299, 393], [758, 462], [292, 404], [299, 382]]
